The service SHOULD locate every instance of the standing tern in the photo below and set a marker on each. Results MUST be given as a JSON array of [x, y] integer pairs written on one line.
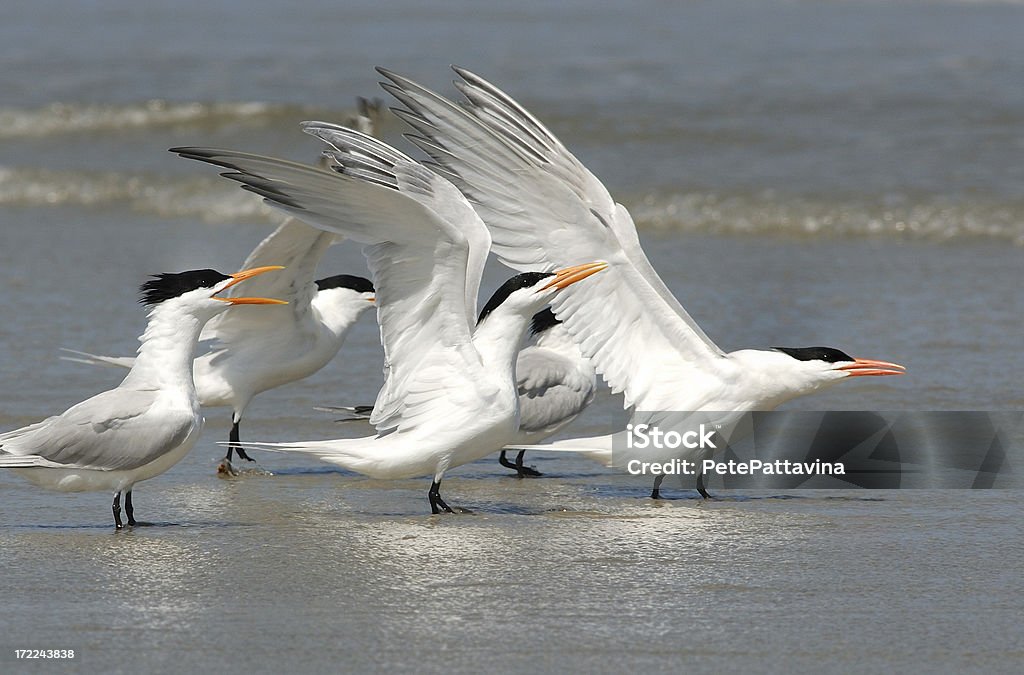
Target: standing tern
[[251, 350], [544, 208], [150, 421], [449, 395], [555, 383]]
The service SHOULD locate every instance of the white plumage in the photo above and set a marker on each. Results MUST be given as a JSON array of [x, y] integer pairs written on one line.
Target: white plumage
[[147, 423], [555, 382], [544, 208], [449, 394], [250, 350]]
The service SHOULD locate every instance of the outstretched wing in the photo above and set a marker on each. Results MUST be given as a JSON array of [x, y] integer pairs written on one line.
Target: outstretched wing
[[297, 246], [425, 248], [545, 210]]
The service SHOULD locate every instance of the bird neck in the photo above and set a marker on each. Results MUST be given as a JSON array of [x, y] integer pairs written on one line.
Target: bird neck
[[337, 316], [498, 339], [771, 378], [167, 348]]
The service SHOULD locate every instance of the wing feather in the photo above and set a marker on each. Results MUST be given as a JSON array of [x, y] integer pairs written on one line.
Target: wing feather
[[425, 247], [117, 429], [545, 210], [552, 390], [297, 246]]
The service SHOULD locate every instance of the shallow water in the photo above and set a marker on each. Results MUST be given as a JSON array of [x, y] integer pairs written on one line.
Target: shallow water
[[843, 174]]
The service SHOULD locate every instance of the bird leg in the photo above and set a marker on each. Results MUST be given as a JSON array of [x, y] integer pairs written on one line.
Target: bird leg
[[235, 445], [117, 511], [656, 492], [525, 471], [700, 486], [128, 509], [503, 460], [435, 499]]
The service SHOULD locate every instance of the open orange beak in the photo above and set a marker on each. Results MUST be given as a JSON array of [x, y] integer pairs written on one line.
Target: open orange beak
[[864, 367], [238, 277], [570, 275]]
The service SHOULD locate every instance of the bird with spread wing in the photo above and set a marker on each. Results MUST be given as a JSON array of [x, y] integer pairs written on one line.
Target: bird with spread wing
[[449, 395], [543, 209], [250, 350]]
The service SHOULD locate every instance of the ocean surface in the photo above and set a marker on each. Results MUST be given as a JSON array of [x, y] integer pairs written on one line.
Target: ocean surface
[[843, 173]]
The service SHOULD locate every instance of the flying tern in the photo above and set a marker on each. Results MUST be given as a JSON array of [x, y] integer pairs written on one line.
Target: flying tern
[[544, 208], [150, 421], [251, 350], [449, 395]]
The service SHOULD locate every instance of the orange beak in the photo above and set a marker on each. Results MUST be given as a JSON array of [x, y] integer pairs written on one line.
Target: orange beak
[[570, 275], [238, 277], [865, 367]]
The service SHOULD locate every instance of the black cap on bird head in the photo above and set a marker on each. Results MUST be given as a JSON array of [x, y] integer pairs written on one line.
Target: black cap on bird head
[[826, 354], [171, 285], [357, 284], [524, 280]]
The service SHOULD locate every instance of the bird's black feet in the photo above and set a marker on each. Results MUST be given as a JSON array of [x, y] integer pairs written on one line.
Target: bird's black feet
[[236, 445], [504, 461], [700, 487], [521, 470], [226, 468], [656, 490], [129, 510], [116, 508], [436, 503], [525, 471]]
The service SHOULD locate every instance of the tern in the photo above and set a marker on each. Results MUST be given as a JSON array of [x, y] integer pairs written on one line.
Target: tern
[[150, 421], [449, 395], [555, 383], [543, 208], [251, 350]]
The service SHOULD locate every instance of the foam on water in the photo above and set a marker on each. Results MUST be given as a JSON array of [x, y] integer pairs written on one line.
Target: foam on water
[[206, 198], [199, 196], [57, 118], [927, 217]]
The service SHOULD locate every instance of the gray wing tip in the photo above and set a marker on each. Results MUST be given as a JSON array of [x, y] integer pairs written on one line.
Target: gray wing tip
[[312, 128], [212, 156], [198, 152], [268, 193], [394, 77]]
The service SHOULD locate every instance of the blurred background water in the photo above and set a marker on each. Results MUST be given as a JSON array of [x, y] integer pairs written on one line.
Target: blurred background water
[[841, 173]]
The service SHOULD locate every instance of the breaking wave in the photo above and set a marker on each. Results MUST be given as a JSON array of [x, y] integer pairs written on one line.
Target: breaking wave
[[57, 118], [925, 217], [212, 200], [197, 197]]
